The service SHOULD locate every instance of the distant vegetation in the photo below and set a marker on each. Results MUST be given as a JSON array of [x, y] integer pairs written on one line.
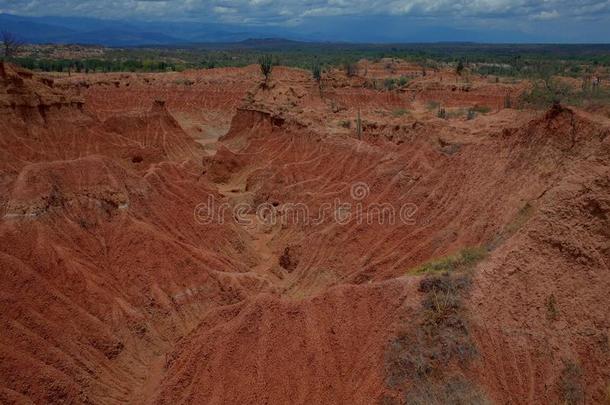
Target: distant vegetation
[[541, 64], [518, 61], [548, 91], [98, 65]]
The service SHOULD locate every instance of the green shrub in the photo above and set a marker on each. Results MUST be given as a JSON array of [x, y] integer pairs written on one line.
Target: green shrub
[[552, 313], [455, 113], [432, 105], [266, 65], [523, 215], [472, 255], [481, 109], [184, 82], [403, 81], [389, 84], [418, 359], [570, 384], [399, 112]]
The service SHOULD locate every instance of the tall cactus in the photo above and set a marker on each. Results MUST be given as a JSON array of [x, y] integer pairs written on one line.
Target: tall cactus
[[359, 125]]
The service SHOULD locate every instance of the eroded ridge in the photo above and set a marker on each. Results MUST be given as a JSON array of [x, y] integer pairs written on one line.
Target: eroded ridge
[[298, 242]]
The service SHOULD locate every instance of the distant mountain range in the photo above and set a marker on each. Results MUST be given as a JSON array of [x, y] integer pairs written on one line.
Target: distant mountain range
[[92, 31]]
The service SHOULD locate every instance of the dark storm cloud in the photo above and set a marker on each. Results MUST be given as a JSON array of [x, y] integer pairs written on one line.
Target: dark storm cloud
[[351, 20], [264, 11]]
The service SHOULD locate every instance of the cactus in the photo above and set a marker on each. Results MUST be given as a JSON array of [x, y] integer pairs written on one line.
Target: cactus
[[359, 125]]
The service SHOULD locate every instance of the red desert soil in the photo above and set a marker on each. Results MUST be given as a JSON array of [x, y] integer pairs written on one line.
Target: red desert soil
[[116, 288]]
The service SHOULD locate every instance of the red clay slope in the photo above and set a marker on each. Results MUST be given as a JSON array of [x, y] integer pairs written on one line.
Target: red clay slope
[[114, 291]]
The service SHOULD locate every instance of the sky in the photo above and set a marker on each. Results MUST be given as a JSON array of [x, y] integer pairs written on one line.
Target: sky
[[544, 20]]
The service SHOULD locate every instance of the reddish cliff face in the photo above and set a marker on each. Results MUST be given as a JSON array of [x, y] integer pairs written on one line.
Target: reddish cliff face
[[198, 238]]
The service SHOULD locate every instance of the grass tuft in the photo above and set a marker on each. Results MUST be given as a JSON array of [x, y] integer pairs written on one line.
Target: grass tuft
[[481, 109], [570, 384], [399, 112], [466, 259], [552, 313], [433, 105]]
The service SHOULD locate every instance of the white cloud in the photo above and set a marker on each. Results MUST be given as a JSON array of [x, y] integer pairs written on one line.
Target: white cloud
[[224, 10], [546, 15], [274, 11]]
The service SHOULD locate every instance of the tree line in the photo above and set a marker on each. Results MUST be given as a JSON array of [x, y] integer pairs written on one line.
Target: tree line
[[96, 65]]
